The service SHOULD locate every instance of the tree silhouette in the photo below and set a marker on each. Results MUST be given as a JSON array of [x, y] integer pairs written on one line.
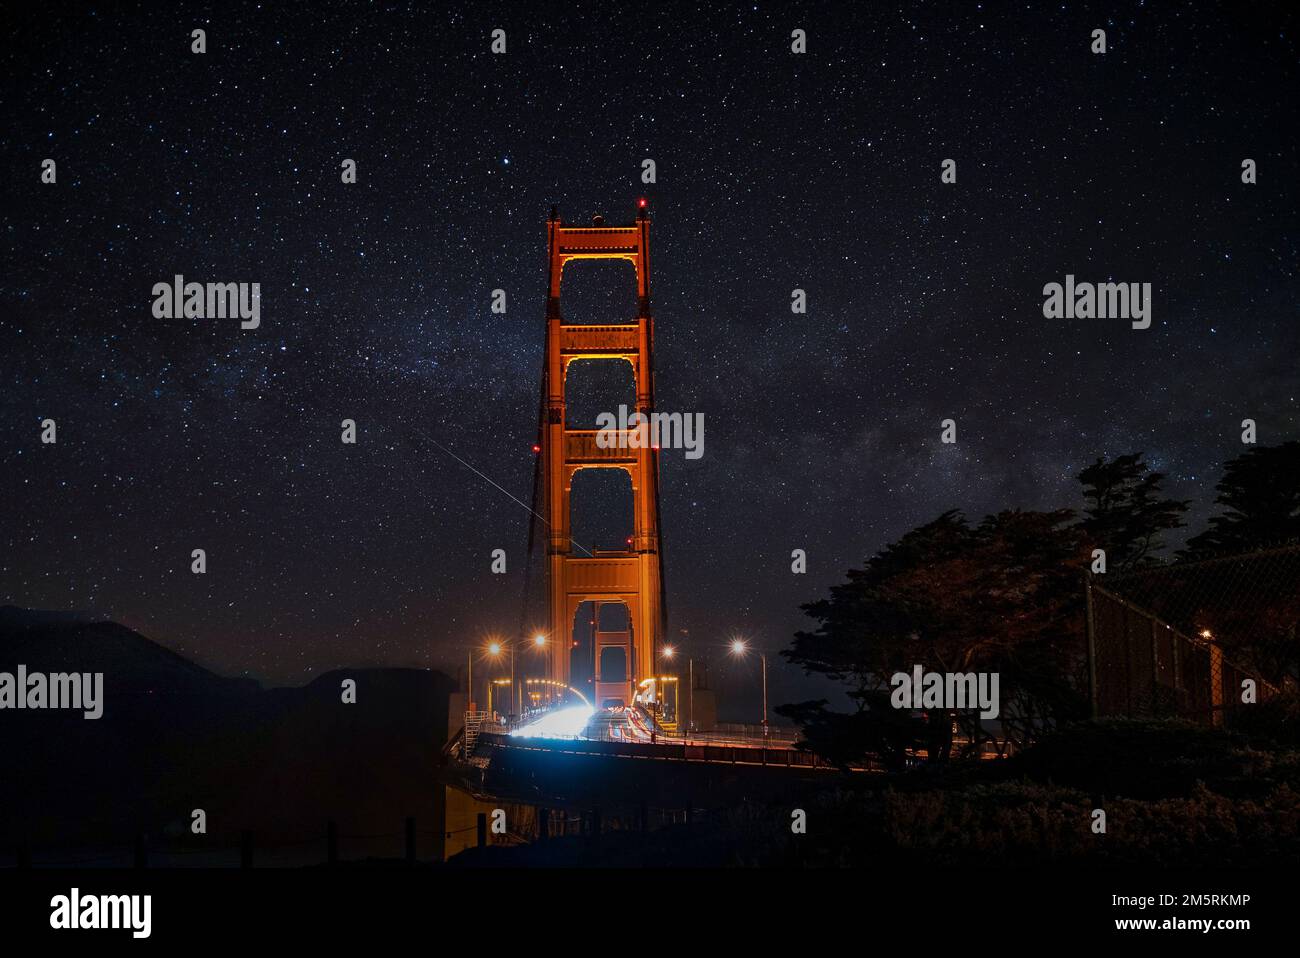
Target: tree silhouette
[[1003, 596], [1124, 511], [1260, 492]]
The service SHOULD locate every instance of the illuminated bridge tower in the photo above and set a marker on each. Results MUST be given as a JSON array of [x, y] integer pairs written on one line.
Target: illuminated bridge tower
[[633, 577]]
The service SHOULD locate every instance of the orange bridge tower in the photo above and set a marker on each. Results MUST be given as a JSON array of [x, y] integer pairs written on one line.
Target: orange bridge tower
[[634, 576]]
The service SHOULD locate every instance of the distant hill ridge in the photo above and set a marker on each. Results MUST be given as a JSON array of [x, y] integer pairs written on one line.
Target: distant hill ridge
[[53, 641], [175, 736], [70, 642]]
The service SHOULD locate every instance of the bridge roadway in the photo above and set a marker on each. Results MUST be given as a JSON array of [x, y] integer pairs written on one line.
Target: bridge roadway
[[631, 733], [592, 767]]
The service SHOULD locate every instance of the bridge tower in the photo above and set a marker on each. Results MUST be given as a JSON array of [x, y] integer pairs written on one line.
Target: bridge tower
[[633, 576]]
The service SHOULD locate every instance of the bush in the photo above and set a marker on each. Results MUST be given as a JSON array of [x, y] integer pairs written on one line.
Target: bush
[[1027, 823], [1153, 759], [1273, 722]]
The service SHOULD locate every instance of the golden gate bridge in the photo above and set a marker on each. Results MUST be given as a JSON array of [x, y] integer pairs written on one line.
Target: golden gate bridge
[[632, 700]]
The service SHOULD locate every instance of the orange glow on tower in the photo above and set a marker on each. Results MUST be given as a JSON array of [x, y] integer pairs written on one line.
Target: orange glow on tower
[[633, 576]]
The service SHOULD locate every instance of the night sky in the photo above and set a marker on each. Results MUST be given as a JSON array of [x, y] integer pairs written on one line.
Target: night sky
[[775, 171]]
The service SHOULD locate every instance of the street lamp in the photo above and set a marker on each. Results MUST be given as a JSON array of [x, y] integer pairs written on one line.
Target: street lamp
[[540, 642], [494, 649], [739, 648], [668, 652], [497, 646]]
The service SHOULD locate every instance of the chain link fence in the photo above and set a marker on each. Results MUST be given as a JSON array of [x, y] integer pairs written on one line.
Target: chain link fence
[[1180, 640]]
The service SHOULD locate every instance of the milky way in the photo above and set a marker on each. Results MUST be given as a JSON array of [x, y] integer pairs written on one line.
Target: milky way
[[775, 171]]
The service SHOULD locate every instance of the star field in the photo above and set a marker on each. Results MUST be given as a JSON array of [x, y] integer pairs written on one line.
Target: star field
[[775, 171]]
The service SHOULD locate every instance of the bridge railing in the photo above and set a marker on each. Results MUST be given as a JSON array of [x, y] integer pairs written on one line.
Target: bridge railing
[[667, 750]]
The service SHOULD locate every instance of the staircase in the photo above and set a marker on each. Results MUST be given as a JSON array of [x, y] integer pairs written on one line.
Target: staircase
[[473, 722]]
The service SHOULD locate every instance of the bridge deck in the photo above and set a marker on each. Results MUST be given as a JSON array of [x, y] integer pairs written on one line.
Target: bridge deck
[[668, 750]]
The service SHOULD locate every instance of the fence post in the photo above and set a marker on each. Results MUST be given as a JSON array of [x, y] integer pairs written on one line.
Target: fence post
[[1157, 708], [141, 852], [1092, 645], [410, 840], [331, 842], [543, 824], [1216, 684], [482, 829], [246, 849]]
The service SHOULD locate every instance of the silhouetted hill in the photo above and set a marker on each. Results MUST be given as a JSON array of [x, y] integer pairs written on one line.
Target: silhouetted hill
[[67, 642], [175, 736]]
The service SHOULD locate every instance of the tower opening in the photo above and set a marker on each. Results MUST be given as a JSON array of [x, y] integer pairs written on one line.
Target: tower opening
[[601, 507], [595, 386], [599, 293]]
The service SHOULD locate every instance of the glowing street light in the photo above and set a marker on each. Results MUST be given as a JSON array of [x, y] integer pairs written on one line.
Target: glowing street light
[[739, 648], [496, 647], [668, 652]]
